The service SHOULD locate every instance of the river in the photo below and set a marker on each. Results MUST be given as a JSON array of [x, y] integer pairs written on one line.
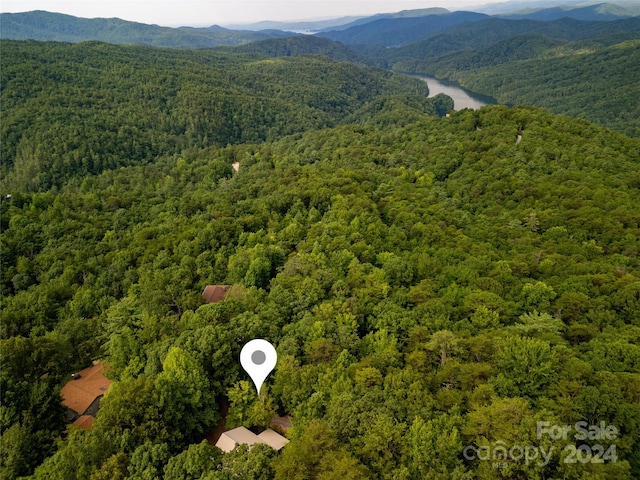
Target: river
[[461, 98]]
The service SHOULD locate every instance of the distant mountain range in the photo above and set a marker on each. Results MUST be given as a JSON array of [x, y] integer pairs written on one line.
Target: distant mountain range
[[341, 23], [491, 30], [391, 32], [310, 26], [404, 14], [386, 30], [47, 26], [517, 7], [602, 11]]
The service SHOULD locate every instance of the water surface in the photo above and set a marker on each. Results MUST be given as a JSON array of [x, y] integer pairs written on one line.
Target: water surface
[[462, 98]]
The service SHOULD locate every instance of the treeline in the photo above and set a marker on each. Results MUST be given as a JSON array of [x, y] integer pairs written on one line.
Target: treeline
[[428, 287], [72, 110]]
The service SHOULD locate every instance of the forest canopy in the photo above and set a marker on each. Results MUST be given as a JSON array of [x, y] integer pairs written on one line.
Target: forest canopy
[[71, 110], [577, 68], [434, 285]]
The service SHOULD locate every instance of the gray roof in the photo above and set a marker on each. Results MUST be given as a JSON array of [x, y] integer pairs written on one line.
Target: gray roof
[[232, 438]]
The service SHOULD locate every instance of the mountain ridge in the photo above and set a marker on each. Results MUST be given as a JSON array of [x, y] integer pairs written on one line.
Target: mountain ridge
[[47, 26], [493, 29], [391, 32], [601, 11]]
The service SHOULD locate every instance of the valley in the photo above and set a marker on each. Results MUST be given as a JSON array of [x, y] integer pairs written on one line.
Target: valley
[[445, 279]]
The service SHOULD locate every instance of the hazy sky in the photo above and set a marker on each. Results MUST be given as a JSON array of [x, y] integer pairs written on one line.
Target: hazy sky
[[209, 12]]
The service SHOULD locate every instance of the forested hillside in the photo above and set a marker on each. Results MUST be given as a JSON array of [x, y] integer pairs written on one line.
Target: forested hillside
[[578, 68], [579, 64], [596, 82], [485, 33], [304, 45], [71, 110], [48, 26], [434, 286]]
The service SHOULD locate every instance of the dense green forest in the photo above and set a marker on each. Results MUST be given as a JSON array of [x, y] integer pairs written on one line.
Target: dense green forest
[[589, 81], [433, 285], [578, 61], [69, 110], [305, 45], [583, 69]]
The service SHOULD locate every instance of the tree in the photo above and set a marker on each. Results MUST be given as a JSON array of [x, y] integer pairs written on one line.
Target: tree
[[114, 468], [537, 324], [80, 456], [301, 458], [444, 343], [538, 296], [483, 318], [131, 409], [525, 367], [380, 443], [248, 409], [17, 453], [440, 435], [341, 465], [193, 463], [185, 396], [251, 464], [148, 461]]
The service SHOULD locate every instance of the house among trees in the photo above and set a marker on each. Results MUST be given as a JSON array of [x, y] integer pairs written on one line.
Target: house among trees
[[241, 435], [82, 395], [215, 293]]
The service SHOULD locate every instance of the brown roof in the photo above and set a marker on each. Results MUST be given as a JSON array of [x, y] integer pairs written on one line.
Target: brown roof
[[215, 293], [84, 421], [79, 394]]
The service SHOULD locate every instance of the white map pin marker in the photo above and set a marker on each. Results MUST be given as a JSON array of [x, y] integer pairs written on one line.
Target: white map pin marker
[[258, 358]]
